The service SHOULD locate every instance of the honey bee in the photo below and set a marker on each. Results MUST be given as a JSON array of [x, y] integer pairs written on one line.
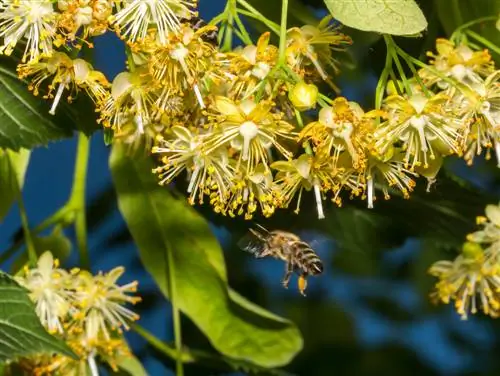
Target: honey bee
[[298, 255]]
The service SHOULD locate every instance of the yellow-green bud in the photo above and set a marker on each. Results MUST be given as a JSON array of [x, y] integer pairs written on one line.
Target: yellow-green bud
[[471, 250], [303, 96]]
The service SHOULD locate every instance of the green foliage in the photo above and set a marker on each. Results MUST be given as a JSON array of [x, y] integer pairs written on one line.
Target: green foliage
[[396, 17], [165, 228], [20, 329], [57, 242], [469, 10], [25, 120], [130, 365], [13, 167]]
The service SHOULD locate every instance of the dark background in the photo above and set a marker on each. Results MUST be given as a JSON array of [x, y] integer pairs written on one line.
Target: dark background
[[368, 315]]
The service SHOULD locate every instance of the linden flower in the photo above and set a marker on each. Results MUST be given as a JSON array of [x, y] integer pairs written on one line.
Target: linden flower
[[338, 128], [483, 110], [108, 351], [132, 96], [388, 171], [48, 286], [66, 74], [209, 172], [249, 127], [461, 63], [419, 123], [346, 177], [306, 172], [181, 62], [102, 303], [31, 21], [311, 45], [136, 141], [491, 223], [472, 280], [250, 191], [248, 68], [136, 17], [85, 18]]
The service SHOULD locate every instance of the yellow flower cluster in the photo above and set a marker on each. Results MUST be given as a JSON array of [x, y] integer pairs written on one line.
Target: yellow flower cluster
[[86, 311], [231, 121], [472, 280]]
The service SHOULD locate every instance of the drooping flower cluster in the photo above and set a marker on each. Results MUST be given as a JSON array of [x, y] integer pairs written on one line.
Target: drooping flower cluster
[[86, 311], [472, 280], [477, 103], [232, 120]]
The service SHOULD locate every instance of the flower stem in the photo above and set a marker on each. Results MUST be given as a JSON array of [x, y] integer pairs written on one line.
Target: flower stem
[[228, 32], [179, 367], [245, 37], [77, 198], [391, 48], [283, 31], [491, 46], [254, 13], [382, 82], [185, 356], [274, 27], [30, 245], [467, 25]]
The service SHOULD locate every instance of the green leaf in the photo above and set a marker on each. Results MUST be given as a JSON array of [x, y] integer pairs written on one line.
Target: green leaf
[[25, 121], [161, 223], [130, 365], [57, 243], [396, 17], [21, 332], [206, 359], [12, 170]]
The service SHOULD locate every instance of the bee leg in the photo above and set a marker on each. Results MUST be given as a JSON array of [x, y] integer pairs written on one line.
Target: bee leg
[[288, 274], [302, 284], [266, 252]]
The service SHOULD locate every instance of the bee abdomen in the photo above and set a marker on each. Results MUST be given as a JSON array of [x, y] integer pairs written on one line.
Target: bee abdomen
[[310, 262]]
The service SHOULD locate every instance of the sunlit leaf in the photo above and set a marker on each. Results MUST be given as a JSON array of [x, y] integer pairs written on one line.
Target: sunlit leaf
[[164, 226], [130, 365], [21, 332], [13, 167], [396, 17]]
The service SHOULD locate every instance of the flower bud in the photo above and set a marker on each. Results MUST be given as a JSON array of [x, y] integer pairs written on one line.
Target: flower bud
[[303, 96], [471, 250]]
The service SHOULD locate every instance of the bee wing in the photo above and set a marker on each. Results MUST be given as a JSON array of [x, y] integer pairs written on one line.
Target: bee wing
[[252, 243]]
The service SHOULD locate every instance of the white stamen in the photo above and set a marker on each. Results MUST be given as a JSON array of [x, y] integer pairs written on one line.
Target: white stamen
[[194, 177], [92, 365], [319, 202], [197, 92], [369, 187], [58, 96], [419, 123], [140, 123], [248, 131]]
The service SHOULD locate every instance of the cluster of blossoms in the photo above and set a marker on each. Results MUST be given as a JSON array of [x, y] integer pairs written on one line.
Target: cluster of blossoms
[[86, 311], [472, 280], [233, 120]]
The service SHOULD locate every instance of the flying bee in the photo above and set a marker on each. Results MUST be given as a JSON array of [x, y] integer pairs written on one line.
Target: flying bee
[[298, 255]]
